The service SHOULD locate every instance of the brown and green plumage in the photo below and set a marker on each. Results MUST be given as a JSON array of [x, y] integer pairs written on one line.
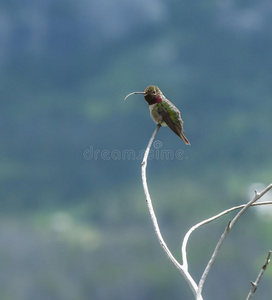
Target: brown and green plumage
[[162, 111]]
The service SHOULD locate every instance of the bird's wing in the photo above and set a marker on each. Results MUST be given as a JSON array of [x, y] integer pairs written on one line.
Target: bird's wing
[[167, 118]]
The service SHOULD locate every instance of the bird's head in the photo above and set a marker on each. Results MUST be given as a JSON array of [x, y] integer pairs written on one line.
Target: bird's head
[[152, 94]]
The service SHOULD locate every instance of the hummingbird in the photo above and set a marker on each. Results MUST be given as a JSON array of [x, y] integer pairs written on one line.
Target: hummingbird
[[162, 111]]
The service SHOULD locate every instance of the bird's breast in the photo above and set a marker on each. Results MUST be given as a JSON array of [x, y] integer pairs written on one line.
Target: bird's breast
[[155, 114]]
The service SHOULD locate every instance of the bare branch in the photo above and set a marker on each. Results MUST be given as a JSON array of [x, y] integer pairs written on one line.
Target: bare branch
[[164, 246], [255, 284], [204, 222], [257, 197], [224, 235], [183, 268]]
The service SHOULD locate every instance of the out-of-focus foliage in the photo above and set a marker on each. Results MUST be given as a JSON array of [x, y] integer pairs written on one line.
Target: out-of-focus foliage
[[71, 145]]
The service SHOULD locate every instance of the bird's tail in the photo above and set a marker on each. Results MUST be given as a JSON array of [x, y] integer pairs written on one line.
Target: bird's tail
[[184, 138]]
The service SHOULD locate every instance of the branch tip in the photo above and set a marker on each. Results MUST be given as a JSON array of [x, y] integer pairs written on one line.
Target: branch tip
[[267, 260]]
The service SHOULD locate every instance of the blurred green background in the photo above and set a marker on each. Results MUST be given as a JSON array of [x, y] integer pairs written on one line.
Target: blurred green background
[[74, 222]]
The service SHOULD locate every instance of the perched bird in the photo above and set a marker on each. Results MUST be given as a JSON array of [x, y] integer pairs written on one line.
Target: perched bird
[[163, 111]]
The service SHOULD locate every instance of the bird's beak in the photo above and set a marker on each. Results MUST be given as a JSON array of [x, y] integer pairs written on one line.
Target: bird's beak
[[133, 94]]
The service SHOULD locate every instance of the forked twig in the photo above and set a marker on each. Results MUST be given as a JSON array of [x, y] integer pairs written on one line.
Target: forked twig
[[209, 220], [183, 268], [224, 235]]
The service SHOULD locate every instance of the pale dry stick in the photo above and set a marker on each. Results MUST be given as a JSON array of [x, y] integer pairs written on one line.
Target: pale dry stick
[[164, 246], [209, 220], [255, 284], [197, 290], [224, 235]]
